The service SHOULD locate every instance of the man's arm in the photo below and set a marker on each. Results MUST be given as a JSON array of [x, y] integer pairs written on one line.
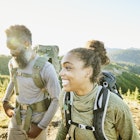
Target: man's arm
[[8, 108], [53, 88]]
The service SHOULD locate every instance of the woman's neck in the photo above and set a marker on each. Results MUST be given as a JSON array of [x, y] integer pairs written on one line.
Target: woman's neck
[[85, 90]]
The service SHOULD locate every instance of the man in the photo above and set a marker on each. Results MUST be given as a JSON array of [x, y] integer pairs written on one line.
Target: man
[[34, 110]]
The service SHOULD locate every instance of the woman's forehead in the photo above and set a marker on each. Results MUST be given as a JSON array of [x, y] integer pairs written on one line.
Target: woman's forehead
[[67, 57], [70, 58]]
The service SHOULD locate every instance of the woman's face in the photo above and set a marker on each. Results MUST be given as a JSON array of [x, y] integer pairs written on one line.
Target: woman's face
[[73, 74]]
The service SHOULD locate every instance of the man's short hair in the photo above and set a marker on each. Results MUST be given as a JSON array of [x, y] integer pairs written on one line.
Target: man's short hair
[[21, 32]]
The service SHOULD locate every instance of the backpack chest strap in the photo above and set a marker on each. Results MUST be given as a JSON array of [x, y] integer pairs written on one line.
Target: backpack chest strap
[[81, 126], [24, 74]]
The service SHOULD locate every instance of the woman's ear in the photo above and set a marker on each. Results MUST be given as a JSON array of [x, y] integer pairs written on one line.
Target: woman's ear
[[89, 72]]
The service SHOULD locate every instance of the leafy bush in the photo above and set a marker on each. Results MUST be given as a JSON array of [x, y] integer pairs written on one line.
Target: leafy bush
[[4, 80], [127, 81], [4, 64]]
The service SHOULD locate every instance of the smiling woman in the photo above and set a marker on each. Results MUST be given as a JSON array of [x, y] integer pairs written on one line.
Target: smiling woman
[[81, 68]]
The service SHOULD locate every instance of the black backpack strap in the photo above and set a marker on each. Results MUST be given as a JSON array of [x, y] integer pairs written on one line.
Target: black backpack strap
[[68, 100], [68, 103], [100, 108]]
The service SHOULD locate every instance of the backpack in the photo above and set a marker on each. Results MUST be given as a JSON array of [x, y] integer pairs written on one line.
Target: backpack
[[46, 53], [108, 83], [108, 80], [50, 52]]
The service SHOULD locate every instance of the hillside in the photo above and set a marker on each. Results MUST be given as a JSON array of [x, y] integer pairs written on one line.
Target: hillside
[[127, 56], [125, 78], [123, 65]]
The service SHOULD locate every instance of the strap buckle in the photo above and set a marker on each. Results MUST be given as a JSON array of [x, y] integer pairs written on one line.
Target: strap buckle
[[24, 106], [93, 128], [81, 126], [69, 121], [19, 73]]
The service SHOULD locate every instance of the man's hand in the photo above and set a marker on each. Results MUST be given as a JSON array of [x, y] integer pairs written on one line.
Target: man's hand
[[9, 109], [34, 131]]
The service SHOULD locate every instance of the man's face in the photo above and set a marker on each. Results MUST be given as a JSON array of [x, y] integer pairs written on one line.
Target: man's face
[[17, 50], [21, 60]]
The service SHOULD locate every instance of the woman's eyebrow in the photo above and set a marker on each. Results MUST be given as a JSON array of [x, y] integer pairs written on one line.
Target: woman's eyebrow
[[66, 62]]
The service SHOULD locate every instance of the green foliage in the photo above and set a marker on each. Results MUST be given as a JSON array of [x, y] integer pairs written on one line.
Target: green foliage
[[127, 74], [131, 67], [4, 80], [4, 64], [114, 67], [134, 95], [127, 81], [128, 93]]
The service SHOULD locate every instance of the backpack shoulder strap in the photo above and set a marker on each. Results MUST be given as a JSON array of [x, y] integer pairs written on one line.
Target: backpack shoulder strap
[[100, 108], [68, 99], [39, 63]]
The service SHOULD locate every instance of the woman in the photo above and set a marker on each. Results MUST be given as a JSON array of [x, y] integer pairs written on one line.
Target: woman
[[81, 68]]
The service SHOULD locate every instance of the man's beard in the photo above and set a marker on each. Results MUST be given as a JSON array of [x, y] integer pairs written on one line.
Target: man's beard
[[21, 60]]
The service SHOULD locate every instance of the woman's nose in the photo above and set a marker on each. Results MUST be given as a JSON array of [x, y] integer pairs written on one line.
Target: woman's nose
[[61, 73]]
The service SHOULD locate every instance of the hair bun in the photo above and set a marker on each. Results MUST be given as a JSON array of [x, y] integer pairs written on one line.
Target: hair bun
[[98, 47]]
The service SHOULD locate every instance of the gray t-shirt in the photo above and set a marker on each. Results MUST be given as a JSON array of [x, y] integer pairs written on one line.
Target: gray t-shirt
[[29, 93]]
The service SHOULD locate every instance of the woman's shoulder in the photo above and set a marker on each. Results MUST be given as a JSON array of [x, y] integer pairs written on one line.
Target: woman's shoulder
[[117, 103], [61, 97]]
